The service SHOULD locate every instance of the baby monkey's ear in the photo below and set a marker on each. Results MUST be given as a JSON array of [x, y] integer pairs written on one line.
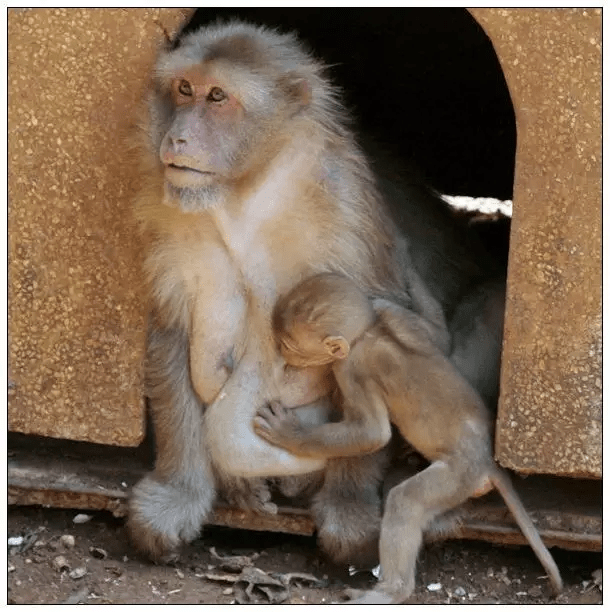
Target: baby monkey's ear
[[336, 346]]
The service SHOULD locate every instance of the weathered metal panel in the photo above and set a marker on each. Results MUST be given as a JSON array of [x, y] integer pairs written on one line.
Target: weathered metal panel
[[76, 306], [550, 407]]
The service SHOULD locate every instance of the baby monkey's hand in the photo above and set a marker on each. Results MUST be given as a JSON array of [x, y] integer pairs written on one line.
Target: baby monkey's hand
[[278, 425]]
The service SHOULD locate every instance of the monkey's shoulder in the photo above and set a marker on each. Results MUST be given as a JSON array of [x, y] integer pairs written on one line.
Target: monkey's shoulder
[[403, 334], [379, 354]]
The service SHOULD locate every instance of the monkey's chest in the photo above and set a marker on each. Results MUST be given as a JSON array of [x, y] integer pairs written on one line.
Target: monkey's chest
[[271, 240], [216, 338], [214, 310]]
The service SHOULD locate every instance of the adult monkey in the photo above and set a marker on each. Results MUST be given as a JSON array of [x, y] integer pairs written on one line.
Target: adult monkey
[[252, 182]]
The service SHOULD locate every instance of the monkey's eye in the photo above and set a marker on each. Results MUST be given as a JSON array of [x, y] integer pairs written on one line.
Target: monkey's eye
[[216, 95], [184, 87]]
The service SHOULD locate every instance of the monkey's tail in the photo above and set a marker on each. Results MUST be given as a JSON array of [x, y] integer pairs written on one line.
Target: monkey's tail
[[504, 485]]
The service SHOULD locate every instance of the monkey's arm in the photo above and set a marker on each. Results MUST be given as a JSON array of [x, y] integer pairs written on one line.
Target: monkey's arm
[[170, 504], [410, 328], [365, 429], [424, 304]]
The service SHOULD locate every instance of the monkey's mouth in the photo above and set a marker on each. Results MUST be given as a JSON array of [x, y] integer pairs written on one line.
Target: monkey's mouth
[[188, 169], [188, 177]]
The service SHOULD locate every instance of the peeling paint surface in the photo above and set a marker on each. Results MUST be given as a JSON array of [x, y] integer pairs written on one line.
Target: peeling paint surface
[[551, 397], [76, 306]]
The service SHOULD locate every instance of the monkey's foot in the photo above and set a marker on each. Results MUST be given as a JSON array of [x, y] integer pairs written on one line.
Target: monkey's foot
[[375, 596], [163, 516], [348, 530], [252, 494], [300, 486]]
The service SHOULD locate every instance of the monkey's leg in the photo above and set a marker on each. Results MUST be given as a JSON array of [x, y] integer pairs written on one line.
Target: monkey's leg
[[409, 508], [168, 506], [477, 331], [347, 509]]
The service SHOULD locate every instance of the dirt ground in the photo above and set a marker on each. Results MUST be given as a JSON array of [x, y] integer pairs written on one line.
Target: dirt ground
[[52, 559]]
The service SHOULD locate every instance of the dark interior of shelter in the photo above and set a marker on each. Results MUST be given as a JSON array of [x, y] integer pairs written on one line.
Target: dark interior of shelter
[[425, 83]]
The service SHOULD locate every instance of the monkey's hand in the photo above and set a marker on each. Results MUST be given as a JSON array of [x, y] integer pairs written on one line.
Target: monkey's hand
[[279, 426]]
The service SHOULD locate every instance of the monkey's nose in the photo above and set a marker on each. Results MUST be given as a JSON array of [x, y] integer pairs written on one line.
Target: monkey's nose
[[172, 149], [177, 145]]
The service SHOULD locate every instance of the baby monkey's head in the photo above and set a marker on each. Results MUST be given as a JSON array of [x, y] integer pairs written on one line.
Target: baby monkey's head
[[317, 321]]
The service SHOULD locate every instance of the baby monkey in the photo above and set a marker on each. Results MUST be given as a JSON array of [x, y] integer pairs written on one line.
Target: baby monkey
[[389, 369]]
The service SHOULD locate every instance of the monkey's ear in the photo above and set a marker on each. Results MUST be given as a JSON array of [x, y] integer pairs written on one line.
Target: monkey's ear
[[336, 346], [297, 90]]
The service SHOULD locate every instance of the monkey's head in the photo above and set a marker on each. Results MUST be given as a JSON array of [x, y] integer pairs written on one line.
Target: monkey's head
[[223, 102], [319, 319]]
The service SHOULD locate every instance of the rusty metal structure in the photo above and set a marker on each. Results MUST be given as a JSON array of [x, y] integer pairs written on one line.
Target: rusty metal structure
[[77, 314]]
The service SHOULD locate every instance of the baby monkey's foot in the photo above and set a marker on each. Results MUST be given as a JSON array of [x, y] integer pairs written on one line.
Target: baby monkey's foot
[[278, 425]]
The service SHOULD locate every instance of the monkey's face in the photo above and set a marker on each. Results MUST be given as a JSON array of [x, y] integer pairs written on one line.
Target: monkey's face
[[203, 137], [213, 127], [223, 105]]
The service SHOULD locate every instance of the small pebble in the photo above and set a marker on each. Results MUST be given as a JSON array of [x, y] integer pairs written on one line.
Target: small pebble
[[78, 572], [228, 591], [79, 519], [98, 553], [11, 568], [434, 586], [460, 592], [28, 561], [67, 541], [15, 541], [179, 573], [60, 563]]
